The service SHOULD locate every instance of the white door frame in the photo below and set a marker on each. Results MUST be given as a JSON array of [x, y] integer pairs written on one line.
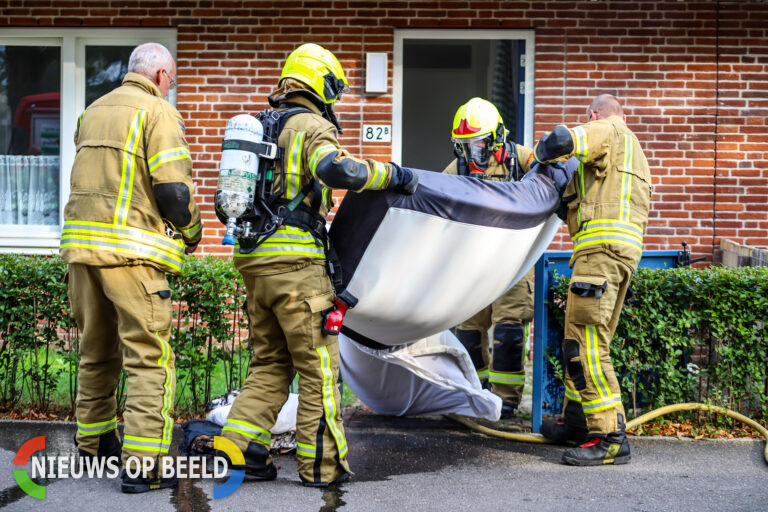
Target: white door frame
[[397, 74]]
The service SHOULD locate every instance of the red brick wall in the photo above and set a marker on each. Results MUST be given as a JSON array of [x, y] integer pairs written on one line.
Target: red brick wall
[[693, 77]]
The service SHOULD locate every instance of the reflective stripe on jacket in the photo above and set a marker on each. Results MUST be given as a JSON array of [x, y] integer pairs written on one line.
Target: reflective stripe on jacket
[[128, 141]]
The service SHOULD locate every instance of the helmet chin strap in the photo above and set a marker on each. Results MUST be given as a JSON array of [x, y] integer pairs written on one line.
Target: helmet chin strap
[[330, 115]]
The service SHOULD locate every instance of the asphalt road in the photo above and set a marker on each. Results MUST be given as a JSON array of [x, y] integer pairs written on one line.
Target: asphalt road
[[431, 464]]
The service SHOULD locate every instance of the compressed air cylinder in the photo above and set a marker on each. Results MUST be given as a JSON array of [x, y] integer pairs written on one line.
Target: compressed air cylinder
[[238, 171]]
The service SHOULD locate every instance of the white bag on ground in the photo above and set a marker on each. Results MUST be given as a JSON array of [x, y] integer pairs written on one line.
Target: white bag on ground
[[432, 376], [286, 418]]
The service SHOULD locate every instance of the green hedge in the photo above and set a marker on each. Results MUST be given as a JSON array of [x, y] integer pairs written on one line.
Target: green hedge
[[39, 339], [691, 335], [209, 334], [33, 308]]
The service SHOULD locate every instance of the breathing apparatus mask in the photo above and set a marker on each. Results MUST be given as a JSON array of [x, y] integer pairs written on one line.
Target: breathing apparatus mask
[[477, 152]]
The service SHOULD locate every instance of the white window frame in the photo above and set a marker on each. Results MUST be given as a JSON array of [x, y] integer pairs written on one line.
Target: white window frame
[[72, 41], [452, 34]]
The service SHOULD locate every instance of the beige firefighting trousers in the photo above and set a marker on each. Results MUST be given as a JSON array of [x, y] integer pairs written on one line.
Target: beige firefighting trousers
[[590, 323], [514, 308], [284, 319], [124, 316]]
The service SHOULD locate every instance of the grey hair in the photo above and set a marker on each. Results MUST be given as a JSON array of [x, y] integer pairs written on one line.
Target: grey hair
[[146, 59]]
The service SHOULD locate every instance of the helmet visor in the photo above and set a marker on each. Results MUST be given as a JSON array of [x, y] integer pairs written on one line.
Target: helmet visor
[[477, 150]]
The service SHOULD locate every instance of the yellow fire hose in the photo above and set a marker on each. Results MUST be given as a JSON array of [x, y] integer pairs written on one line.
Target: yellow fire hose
[[661, 411]]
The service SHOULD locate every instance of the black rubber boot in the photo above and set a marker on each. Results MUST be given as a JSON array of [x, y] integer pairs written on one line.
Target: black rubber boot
[[508, 410], [255, 465], [140, 484], [610, 448], [109, 446], [570, 429], [339, 480], [563, 433]]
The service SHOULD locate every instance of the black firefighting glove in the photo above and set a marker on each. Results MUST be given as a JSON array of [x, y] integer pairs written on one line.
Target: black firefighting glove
[[559, 172], [554, 144], [403, 180], [562, 172]]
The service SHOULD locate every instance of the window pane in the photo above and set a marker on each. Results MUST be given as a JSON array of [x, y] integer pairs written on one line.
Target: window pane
[[439, 75], [105, 67], [30, 149]]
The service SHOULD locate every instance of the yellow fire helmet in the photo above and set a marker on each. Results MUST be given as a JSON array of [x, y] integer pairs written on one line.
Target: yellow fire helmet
[[318, 68], [476, 118], [478, 130]]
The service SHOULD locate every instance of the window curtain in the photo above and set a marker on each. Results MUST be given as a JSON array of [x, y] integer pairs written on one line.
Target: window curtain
[[29, 189]]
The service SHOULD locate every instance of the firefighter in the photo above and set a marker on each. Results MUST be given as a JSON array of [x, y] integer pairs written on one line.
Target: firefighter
[[483, 151], [607, 212], [131, 216], [287, 278]]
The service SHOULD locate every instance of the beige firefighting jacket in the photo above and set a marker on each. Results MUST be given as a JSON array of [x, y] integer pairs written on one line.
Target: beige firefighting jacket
[[496, 169], [127, 141], [611, 189], [306, 138]]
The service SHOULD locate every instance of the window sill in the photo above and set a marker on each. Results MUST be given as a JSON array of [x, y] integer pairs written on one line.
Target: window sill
[[30, 239]]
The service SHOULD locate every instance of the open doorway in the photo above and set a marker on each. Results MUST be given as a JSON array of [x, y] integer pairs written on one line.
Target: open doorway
[[436, 71]]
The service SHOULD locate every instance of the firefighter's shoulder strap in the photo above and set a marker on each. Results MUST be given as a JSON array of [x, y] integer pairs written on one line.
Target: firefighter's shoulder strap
[[282, 116], [511, 161], [289, 208], [462, 169], [274, 122], [295, 213]]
